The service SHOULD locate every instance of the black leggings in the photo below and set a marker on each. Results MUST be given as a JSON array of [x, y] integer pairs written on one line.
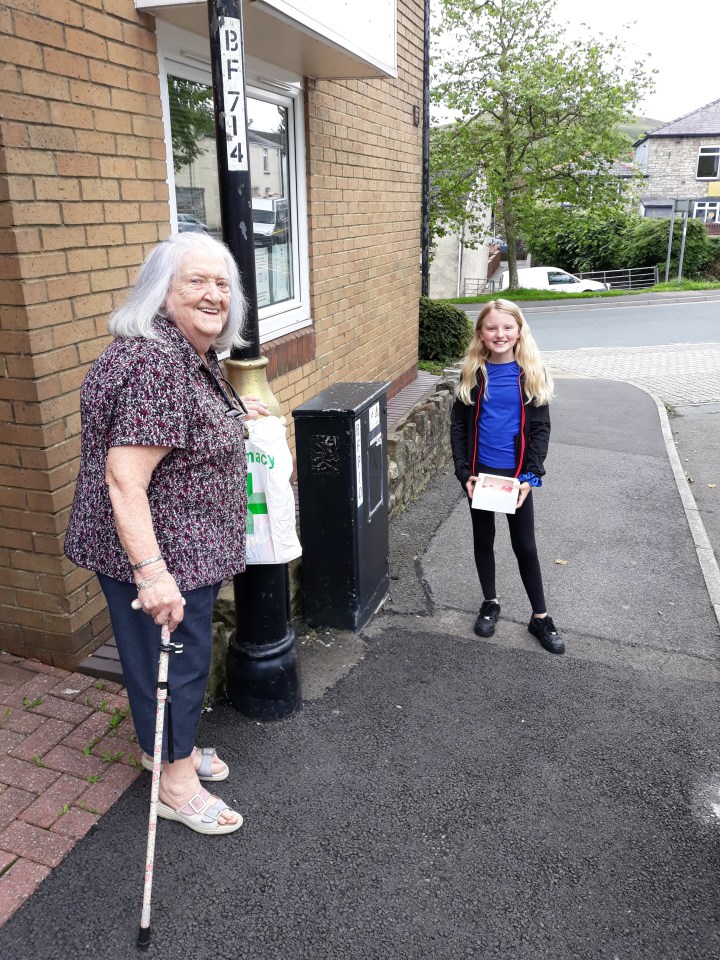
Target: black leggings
[[522, 538]]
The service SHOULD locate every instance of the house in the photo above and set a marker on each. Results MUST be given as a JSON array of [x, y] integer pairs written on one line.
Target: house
[[92, 177], [681, 162]]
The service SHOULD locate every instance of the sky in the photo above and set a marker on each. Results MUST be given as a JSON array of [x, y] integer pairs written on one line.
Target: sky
[[685, 54], [688, 76]]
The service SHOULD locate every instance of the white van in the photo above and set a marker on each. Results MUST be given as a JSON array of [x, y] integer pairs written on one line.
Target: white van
[[271, 219], [552, 278]]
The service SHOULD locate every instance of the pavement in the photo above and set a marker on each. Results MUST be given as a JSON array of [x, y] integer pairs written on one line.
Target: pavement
[[440, 796]]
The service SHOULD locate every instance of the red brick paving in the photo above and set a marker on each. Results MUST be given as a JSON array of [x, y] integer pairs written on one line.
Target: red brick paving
[[48, 804], [75, 823], [12, 803], [34, 843], [17, 884], [48, 734]]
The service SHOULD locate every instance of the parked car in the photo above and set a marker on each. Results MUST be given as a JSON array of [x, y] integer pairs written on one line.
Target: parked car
[[552, 278], [190, 224], [271, 220]]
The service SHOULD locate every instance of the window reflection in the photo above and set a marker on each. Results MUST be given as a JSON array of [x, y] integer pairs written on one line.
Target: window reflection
[[196, 183]]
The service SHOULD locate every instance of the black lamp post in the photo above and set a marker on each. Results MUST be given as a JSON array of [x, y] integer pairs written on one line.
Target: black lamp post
[[263, 679]]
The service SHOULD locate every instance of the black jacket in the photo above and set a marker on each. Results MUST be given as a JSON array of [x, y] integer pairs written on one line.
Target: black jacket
[[531, 444]]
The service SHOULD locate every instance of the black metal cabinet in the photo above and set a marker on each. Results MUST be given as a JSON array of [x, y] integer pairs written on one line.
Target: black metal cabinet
[[341, 440]]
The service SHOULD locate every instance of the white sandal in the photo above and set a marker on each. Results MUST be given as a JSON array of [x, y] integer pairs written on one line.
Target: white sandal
[[204, 771], [201, 814]]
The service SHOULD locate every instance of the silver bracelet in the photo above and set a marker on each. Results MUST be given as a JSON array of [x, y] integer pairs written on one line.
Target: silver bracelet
[[146, 563], [151, 581]]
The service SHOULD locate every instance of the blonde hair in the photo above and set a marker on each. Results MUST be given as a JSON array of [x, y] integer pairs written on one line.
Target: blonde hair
[[538, 385]]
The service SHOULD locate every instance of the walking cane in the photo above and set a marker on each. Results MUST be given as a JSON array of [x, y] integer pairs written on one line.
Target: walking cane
[[143, 940]]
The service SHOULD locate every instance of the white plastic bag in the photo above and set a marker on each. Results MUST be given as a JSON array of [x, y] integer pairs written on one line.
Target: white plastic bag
[[270, 532]]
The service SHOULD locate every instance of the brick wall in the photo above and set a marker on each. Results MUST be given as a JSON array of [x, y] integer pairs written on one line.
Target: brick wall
[[82, 170], [364, 160]]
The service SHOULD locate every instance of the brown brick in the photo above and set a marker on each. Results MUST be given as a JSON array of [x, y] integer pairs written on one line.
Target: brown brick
[[92, 141], [144, 83], [14, 134], [109, 280], [62, 238], [131, 146], [87, 259], [127, 56], [66, 64], [86, 44], [104, 236], [125, 256], [56, 188], [44, 33], [103, 25], [107, 73], [89, 94], [77, 164], [71, 115], [129, 102], [113, 122], [37, 213], [74, 213], [118, 167], [21, 53], [92, 306], [125, 212], [27, 109]]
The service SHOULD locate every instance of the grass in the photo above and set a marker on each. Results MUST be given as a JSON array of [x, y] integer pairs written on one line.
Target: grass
[[520, 296]]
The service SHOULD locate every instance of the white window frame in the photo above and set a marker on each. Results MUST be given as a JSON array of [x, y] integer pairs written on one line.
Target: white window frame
[[187, 55], [711, 150], [702, 207]]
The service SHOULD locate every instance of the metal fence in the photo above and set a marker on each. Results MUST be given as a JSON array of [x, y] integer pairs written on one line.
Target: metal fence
[[473, 287], [631, 279]]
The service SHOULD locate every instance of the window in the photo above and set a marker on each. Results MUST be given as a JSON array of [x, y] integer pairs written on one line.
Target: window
[[276, 157], [556, 277], [708, 166], [708, 211]]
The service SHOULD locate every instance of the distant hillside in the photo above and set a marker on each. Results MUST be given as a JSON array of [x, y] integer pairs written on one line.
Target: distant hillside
[[639, 126]]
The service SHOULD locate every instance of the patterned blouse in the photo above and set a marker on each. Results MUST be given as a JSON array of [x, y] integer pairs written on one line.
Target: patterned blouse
[[155, 393]]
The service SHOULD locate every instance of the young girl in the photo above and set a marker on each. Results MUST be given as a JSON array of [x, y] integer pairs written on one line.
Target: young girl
[[501, 425]]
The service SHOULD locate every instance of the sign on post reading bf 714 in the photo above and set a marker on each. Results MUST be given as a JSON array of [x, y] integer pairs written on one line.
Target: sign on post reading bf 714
[[231, 56]]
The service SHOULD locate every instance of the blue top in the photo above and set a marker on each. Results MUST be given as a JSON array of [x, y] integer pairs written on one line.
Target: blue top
[[500, 416]]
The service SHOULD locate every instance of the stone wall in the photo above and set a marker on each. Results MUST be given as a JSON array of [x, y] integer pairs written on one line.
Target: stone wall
[[419, 447], [672, 167]]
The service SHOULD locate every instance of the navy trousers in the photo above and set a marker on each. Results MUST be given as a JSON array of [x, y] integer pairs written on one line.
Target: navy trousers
[[138, 642]]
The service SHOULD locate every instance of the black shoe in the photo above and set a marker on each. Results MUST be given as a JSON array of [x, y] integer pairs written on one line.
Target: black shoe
[[487, 618], [544, 629]]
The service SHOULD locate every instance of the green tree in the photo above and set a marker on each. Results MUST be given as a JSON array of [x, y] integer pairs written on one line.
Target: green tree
[[191, 118], [536, 116]]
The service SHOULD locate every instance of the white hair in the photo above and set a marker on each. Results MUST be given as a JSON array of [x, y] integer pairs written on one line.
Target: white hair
[[146, 299]]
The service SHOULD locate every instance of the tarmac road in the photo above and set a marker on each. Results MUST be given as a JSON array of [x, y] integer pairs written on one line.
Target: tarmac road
[[443, 797]]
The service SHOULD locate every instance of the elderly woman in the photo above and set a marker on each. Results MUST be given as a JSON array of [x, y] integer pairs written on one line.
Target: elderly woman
[[159, 508]]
